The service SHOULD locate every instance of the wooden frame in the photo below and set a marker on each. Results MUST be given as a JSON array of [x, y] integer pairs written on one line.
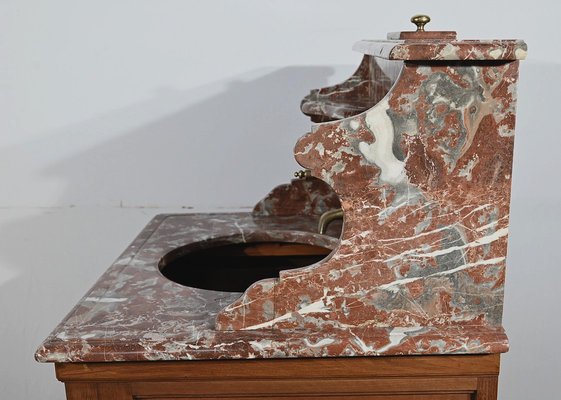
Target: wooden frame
[[454, 377]]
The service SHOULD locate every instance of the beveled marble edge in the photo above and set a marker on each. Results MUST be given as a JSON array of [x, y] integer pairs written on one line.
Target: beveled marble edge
[[409, 341], [435, 50]]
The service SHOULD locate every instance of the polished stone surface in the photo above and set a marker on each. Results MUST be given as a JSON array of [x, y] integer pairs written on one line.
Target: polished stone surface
[[424, 180], [134, 313], [368, 85], [423, 175]]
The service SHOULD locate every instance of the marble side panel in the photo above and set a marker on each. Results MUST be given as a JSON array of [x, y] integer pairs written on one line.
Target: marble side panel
[[424, 181]]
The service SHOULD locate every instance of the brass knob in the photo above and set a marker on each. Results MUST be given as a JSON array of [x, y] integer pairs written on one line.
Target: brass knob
[[420, 21], [303, 173]]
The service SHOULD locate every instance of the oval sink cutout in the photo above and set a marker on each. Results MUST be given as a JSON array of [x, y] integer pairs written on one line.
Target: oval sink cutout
[[233, 267]]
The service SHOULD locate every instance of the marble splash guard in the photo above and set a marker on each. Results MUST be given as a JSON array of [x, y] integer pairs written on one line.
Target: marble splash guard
[[416, 149]]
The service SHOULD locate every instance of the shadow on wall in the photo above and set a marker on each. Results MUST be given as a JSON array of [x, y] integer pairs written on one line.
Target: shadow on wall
[[229, 149], [225, 151]]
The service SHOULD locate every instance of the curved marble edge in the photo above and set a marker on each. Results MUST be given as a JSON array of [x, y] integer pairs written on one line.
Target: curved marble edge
[[133, 313], [436, 50], [332, 109], [368, 84], [344, 99], [309, 196]]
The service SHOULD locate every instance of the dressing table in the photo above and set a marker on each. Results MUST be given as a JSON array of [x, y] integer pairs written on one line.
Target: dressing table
[[396, 295]]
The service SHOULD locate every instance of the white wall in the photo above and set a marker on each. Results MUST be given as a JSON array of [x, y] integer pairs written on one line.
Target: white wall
[[114, 110]]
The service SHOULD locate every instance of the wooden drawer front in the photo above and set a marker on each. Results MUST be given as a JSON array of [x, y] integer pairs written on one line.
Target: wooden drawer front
[[456, 388], [303, 388], [450, 396]]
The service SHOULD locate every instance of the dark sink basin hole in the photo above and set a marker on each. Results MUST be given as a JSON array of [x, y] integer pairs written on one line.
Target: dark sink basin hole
[[234, 267]]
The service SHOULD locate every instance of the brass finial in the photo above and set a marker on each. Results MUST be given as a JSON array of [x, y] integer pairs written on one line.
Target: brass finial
[[420, 21]]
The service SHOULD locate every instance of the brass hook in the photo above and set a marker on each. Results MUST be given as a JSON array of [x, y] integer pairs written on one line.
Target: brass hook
[[327, 218]]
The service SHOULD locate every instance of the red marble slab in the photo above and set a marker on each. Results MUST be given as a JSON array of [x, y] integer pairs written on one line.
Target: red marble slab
[[134, 313]]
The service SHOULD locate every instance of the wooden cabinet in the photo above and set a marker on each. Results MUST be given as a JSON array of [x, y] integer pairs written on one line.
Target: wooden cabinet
[[466, 377]]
